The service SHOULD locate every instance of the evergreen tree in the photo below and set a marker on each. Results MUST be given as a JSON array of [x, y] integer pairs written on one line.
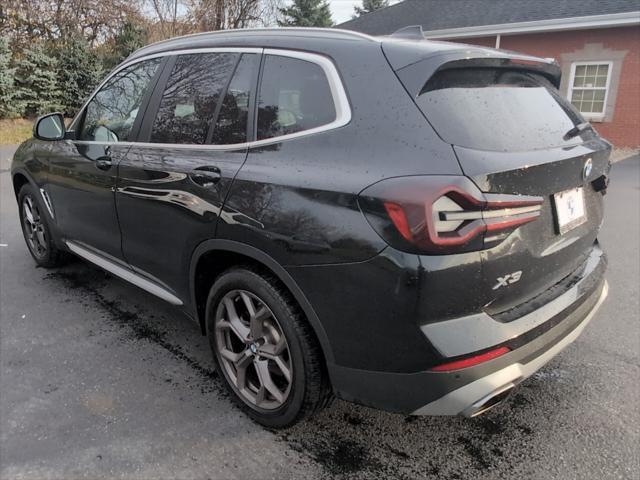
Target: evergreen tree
[[78, 72], [369, 6], [8, 107], [37, 89], [131, 37], [306, 13]]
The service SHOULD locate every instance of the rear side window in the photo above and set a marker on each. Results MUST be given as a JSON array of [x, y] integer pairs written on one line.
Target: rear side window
[[110, 114], [191, 96], [294, 96], [497, 109], [231, 124]]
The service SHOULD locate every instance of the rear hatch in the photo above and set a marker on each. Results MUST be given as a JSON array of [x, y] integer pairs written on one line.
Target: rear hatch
[[513, 133]]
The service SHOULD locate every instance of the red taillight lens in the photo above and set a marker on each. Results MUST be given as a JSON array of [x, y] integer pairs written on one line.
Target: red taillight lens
[[471, 361], [399, 219], [439, 215]]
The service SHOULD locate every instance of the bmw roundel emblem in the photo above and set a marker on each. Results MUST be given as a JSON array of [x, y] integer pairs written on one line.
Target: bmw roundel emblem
[[586, 170]]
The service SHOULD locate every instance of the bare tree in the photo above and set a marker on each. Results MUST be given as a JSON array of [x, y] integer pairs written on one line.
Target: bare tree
[[166, 14], [24, 21], [208, 15]]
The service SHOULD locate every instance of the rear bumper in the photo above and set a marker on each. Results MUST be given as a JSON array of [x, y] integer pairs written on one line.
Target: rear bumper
[[477, 396], [473, 333], [470, 390]]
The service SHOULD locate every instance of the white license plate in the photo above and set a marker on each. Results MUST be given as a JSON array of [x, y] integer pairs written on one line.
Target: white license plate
[[569, 207]]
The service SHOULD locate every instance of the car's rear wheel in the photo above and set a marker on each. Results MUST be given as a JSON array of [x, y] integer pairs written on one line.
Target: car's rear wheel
[[36, 229], [265, 349]]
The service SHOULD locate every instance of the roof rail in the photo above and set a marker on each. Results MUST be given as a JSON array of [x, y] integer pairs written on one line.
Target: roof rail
[[259, 30], [410, 32]]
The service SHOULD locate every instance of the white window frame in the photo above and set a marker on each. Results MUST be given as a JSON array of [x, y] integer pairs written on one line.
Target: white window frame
[[595, 116]]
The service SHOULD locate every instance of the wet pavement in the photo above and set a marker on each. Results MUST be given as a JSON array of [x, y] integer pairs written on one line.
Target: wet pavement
[[99, 379]]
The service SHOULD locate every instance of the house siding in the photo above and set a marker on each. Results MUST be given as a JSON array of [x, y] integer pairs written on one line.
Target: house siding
[[621, 125]]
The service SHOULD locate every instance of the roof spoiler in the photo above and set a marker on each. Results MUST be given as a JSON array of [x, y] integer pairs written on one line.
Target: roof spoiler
[[412, 32], [415, 76]]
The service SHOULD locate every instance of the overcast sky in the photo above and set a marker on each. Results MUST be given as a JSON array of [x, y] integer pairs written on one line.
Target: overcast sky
[[341, 10]]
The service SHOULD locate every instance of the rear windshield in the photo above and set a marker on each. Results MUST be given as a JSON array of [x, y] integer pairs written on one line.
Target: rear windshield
[[497, 109]]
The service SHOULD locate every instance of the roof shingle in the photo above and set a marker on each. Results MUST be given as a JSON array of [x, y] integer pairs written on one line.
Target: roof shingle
[[444, 14]]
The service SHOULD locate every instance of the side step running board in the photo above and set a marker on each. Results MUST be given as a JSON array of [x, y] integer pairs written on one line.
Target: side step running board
[[124, 273]]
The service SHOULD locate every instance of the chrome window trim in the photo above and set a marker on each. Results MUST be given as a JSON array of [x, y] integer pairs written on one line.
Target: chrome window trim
[[340, 99], [338, 92], [128, 63]]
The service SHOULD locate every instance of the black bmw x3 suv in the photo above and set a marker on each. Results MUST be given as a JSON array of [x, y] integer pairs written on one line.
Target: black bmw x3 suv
[[406, 224]]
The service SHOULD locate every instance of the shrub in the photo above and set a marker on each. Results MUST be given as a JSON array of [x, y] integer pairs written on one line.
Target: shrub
[[79, 71], [8, 107], [37, 89]]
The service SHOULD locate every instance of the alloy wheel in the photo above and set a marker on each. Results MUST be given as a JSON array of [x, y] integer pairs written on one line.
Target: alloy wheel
[[34, 229], [253, 350]]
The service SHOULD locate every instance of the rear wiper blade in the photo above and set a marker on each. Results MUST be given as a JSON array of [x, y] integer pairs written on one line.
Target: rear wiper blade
[[577, 130]]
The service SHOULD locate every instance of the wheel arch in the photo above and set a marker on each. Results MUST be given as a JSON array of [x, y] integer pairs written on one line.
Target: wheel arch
[[250, 254], [19, 178]]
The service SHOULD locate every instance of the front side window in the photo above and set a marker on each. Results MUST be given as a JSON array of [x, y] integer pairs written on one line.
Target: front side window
[[294, 96], [110, 114], [588, 89], [190, 98]]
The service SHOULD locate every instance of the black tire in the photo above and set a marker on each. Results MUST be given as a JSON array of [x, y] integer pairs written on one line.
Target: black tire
[[309, 390], [42, 247]]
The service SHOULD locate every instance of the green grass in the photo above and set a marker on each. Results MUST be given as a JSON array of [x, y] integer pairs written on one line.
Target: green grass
[[15, 131]]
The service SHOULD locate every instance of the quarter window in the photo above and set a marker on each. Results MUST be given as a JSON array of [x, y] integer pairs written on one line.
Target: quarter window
[[588, 88], [294, 96], [190, 98], [110, 114]]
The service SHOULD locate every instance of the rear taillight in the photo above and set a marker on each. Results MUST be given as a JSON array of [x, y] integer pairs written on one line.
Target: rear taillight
[[440, 215]]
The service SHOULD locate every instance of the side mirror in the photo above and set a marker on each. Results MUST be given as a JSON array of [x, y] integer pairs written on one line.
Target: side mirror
[[49, 127]]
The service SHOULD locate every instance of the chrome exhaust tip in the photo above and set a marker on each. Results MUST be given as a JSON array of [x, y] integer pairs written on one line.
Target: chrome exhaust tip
[[488, 402]]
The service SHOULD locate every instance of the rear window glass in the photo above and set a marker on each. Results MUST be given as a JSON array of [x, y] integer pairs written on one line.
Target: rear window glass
[[497, 109]]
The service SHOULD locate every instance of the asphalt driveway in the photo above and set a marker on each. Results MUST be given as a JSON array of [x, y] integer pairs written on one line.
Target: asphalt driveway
[[99, 379]]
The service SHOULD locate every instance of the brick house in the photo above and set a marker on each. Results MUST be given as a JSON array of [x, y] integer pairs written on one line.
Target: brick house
[[596, 43]]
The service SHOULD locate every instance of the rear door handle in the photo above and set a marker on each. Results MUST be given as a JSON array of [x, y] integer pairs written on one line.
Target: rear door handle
[[206, 176], [103, 163]]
